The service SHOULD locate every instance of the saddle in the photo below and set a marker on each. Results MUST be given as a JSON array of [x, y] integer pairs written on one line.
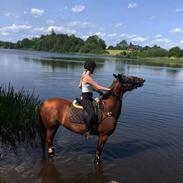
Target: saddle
[[77, 112]]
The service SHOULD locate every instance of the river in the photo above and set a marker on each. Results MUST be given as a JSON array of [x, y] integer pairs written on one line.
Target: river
[[147, 145]]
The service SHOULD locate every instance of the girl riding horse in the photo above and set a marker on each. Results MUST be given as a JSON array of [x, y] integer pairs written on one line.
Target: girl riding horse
[[87, 84], [56, 111]]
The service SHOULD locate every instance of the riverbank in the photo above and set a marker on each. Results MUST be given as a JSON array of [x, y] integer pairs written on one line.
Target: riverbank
[[154, 61], [159, 61]]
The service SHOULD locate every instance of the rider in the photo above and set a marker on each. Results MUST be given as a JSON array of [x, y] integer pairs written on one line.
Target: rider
[[87, 84]]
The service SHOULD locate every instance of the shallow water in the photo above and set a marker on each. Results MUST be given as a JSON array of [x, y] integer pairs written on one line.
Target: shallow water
[[147, 145]]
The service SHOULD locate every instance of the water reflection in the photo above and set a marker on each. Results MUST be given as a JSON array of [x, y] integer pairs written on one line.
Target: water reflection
[[49, 173], [69, 64]]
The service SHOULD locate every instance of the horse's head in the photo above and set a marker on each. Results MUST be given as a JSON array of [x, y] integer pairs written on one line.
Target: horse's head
[[125, 83]]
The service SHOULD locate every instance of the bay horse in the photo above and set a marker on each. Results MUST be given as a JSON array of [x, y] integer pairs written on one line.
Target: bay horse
[[56, 111]]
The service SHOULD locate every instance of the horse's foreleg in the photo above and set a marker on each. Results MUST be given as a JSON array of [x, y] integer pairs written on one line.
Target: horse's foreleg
[[50, 136], [100, 145]]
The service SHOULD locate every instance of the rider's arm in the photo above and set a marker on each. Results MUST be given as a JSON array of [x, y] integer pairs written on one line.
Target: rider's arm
[[90, 80]]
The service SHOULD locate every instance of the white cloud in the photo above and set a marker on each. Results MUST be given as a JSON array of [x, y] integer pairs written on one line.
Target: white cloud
[[37, 12], [176, 30], [15, 28], [158, 36], [179, 10], [127, 36], [152, 17], [79, 24], [4, 33], [132, 5], [139, 39], [39, 29], [10, 14], [161, 40], [181, 42], [100, 34], [29, 36], [111, 35], [50, 21], [61, 29], [118, 25], [78, 8]]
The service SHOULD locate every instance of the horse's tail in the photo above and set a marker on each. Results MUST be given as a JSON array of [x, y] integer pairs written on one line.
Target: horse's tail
[[42, 131]]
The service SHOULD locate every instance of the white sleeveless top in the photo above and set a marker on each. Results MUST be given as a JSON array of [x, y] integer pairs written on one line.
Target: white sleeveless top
[[87, 88]]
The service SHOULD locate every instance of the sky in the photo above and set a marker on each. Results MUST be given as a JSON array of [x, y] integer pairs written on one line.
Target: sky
[[142, 22]]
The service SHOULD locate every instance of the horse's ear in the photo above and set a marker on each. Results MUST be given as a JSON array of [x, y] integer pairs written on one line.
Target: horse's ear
[[120, 77], [115, 76]]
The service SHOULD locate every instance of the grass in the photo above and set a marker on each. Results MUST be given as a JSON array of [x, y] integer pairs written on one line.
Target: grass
[[18, 116], [154, 61], [116, 52], [161, 61]]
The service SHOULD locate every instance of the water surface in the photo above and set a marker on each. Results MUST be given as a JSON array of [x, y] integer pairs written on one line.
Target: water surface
[[147, 145]]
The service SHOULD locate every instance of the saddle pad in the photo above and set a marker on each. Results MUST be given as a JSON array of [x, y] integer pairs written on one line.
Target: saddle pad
[[76, 115]]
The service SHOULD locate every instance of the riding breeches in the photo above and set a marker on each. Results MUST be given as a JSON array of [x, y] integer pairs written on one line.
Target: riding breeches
[[88, 107]]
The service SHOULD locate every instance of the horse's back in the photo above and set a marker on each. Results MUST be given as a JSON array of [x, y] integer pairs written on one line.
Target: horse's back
[[51, 109]]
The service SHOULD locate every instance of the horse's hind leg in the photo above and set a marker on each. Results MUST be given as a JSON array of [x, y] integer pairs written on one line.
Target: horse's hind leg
[[100, 145], [50, 136]]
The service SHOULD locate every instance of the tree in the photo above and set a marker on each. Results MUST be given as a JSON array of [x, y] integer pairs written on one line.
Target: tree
[[123, 45], [93, 45], [175, 52], [53, 32]]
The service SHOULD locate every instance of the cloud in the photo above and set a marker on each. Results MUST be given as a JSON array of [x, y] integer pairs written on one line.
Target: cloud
[[29, 36], [50, 21], [10, 14], [128, 36], [161, 40], [78, 8], [118, 25], [139, 39], [152, 17], [100, 34], [61, 29], [111, 35], [40, 29], [4, 33], [79, 24], [181, 42], [179, 10], [176, 30], [37, 12], [132, 5], [158, 36], [15, 28]]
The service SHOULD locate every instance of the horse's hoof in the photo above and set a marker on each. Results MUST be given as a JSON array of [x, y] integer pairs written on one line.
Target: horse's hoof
[[51, 152], [97, 161]]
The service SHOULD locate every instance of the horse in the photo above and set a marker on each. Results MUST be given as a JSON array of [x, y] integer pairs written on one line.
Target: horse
[[54, 112]]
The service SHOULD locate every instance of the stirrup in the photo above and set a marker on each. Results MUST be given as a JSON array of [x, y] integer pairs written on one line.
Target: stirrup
[[87, 135]]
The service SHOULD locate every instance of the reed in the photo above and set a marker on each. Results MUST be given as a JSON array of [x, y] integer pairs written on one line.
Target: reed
[[18, 116]]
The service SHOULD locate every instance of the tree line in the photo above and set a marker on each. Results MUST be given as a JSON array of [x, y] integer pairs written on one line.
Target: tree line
[[71, 44], [60, 43]]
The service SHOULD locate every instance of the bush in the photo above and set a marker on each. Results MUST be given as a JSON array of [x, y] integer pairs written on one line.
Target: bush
[[18, 116]]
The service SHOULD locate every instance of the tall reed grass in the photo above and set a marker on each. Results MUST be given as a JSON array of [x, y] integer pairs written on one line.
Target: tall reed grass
[[18, 116]]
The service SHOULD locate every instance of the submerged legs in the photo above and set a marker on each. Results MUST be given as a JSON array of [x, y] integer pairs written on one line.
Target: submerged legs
[[100, 145], [50, 136]]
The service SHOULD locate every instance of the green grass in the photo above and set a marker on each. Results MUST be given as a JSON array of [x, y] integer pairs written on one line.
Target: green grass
[[18, 116], [162, 61], [116, 52]]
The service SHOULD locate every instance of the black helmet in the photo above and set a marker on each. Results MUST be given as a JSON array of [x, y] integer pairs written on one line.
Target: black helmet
[[90, 65]]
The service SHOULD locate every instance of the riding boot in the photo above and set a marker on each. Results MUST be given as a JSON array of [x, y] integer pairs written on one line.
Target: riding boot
[[87, 133]]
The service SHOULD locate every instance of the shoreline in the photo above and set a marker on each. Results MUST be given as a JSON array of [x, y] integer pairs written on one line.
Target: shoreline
[[153, 61]]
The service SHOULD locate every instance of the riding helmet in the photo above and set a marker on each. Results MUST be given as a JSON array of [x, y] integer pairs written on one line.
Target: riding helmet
[[90, 65]]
